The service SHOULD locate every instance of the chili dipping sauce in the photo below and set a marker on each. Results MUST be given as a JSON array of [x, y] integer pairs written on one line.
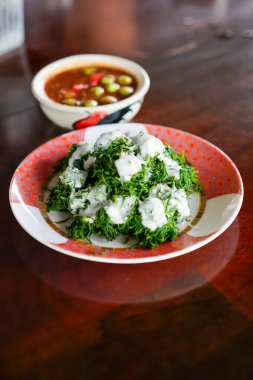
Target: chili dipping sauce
[[90, 86]]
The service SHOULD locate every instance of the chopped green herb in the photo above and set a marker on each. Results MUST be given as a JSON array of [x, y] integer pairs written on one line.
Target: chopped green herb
[[59, 198], [163, 177], [63, 163]]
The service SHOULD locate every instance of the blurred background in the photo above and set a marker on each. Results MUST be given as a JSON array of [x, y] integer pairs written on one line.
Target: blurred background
[[151, 32]]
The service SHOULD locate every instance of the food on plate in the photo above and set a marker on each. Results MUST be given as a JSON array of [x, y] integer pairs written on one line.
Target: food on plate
[[132, 185], [90, 86]]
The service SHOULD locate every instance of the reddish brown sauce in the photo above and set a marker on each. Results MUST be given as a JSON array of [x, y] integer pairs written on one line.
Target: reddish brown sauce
[[90, 86]]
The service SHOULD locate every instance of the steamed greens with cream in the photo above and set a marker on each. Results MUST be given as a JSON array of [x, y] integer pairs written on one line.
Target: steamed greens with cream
[[133, 185]]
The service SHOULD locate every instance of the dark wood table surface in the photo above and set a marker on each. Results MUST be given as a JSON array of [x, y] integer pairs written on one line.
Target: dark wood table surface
[[186, 318]]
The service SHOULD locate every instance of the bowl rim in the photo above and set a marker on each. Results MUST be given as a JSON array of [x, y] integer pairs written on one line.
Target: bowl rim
[[45, 100]]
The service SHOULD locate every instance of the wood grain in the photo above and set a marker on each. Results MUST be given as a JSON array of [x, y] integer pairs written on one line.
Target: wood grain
[[189, 318]]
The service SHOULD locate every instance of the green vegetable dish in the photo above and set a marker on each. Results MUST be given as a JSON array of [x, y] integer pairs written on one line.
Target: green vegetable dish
[[132, 185]]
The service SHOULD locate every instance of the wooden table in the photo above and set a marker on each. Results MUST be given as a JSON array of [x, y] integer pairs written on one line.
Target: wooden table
[[186, 318]]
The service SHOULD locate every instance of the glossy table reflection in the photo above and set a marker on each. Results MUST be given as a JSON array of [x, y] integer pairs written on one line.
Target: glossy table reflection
[[190, 317]]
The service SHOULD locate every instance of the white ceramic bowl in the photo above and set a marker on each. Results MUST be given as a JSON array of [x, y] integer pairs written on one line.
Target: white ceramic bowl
[[70, 117]]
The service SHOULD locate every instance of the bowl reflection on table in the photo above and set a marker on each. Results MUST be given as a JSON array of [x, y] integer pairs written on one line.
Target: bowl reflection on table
[[145, 283]]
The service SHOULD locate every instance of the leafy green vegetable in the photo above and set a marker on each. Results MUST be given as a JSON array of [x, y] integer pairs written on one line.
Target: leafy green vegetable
[[63, 163], [81, 228], [59, 198], [146, 237], [104, 226], [103, 172], [179, 157], [158, 169]]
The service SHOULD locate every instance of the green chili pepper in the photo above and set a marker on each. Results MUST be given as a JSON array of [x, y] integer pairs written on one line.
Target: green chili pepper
[[91, 103], [97, 91], [108, 78], [108, 99], [70, 102], [124, 79], [112, 87], [126, 90], [88, 70]]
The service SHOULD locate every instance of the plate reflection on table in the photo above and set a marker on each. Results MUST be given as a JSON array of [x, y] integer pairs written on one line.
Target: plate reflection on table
[[151, 282]]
